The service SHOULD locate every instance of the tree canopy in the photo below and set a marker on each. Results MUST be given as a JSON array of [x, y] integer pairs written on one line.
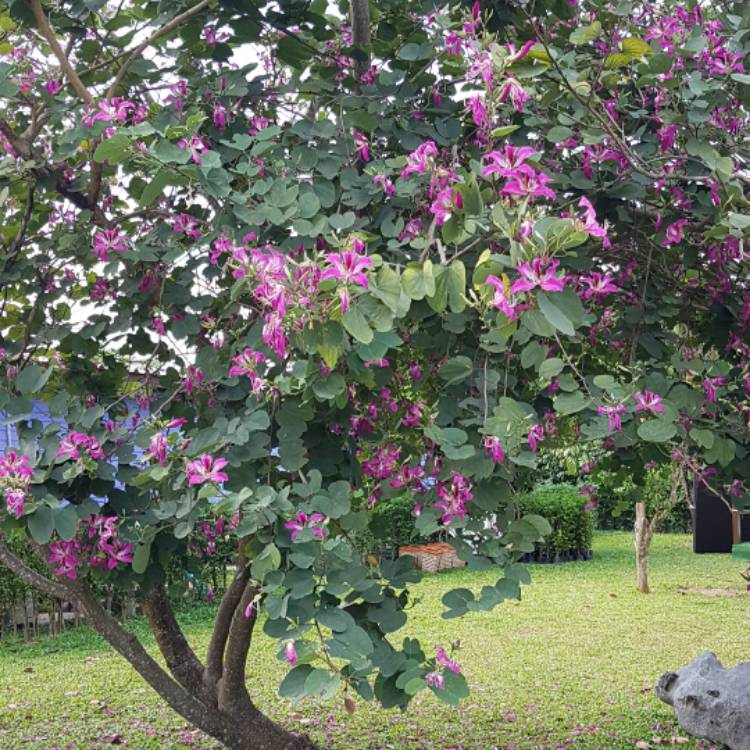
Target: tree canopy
[[267, 267]]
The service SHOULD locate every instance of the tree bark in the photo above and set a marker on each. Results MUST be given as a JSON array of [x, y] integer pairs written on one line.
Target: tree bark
[[644, 532], [360, 19]]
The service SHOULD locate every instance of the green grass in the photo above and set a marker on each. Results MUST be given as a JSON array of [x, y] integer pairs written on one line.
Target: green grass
[[571, 665]]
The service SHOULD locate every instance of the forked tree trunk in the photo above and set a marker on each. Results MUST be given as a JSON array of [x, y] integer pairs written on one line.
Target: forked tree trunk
[[213, 698], [644, 532]]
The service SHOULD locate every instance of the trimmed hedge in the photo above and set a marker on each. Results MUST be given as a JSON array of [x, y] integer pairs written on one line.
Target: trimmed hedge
[[572, 526], [391, 525]]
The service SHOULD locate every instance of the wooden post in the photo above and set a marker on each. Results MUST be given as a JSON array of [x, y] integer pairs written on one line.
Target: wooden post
[[642, 544], [736, 526]]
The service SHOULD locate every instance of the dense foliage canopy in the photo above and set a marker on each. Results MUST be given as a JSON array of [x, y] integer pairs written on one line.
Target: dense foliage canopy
[[267, 268]]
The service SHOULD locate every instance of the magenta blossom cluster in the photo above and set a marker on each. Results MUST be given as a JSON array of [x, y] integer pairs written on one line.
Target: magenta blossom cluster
[[203, 544], [15, 475], [436, 679], [453, 497], [99, 547], [76, 445], [248, 364], [314, 521]]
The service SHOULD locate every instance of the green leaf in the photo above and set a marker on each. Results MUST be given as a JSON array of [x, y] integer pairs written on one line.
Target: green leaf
[[550, 368], [269, 559], [656, 430], [309, 205], [418, 280], [357, 326], [554, 314], [636, 47], [293, 685], [585, 34], [456, 286], [141, 558], [162, 179], [32, 379], [41, 524], [456, 369], [66, 522], [294, 52], [321, 683], [112, 150]]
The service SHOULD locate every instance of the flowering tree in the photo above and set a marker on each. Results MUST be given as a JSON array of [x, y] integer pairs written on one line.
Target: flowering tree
[[268, 266]]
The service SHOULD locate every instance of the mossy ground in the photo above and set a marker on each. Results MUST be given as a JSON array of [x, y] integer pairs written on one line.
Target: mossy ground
[[572, 665]]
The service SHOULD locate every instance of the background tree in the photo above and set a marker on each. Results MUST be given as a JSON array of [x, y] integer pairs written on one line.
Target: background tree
[[249, 284]]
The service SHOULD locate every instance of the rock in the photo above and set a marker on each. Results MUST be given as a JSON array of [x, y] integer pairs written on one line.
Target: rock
[[710, 702]]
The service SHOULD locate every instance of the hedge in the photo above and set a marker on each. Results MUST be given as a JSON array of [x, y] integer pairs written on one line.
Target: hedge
[[563, 507]]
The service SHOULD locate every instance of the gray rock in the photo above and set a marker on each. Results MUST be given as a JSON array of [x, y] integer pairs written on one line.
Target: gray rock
[[710, 702]]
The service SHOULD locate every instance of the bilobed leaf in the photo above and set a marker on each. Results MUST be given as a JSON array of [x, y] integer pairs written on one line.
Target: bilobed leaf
[[356, 325], [554, 314], [32, 379], [656, 430], [636, 47], [585, 34], [293, 685], [456, 369], [456, 286], [112, 150], [418, 280], [141, 557], [41, 524]]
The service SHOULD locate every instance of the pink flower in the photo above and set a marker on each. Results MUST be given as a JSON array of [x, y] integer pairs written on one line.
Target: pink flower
[[362, 146], [453, 44], [420, 160], [528, 183], [206, 469], [589, 223], [53, 86], [195, 146], [506, 162], [478, 112], [14, 499], [710, 385], [501, 300], [385, 183], [514, 56], [178, 422], [453, 497], [648, 401], [347, 266], [535, 436], [515, 92], [382, 464], [446, 201], [666, 136], [15, 466], [674, 231], [250, 611], [598, 285], [219, 116], [588, 491], [435, 680], [186, 224], [247, 364], [493, 448], [614, 416], [107, 240], [290, 653], [314, 521], [442, 659], [158, 449], [539, 273], [75, 444], [113, 110], [65, 555]]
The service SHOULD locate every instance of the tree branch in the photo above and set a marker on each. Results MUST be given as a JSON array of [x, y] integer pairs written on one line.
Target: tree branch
[[48, 33], [360, 19], [169, 26], [229, 603], [179, 656], [233, 695], [128, 646], [32, 577]]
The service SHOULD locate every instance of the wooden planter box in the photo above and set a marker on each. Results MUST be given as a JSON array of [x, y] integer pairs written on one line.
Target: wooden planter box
[[432, 557]]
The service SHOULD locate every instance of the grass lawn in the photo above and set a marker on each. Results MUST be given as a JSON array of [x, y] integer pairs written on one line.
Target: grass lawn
[[571, 665]]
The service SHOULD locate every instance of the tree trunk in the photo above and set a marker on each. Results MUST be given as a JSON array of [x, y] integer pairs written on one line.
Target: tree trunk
[[643, 534]]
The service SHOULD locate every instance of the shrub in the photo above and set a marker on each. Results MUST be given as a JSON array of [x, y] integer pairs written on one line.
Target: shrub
[[617, 493], [391, 524], [563, 507]]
